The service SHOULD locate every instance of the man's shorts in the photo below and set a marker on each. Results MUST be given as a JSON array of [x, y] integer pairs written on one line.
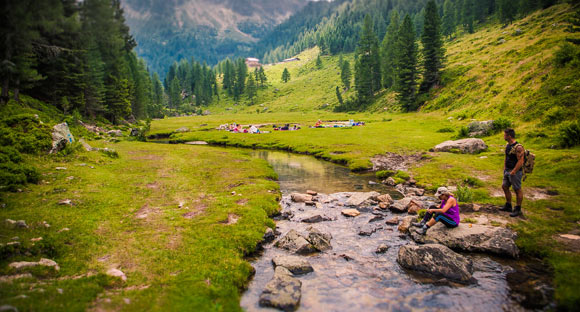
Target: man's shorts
[[514, 181]]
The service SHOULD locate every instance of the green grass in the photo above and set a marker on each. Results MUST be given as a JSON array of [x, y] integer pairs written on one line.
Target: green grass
[[188, 264]]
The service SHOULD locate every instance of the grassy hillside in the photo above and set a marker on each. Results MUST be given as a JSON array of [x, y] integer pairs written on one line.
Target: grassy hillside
[[497, 70]]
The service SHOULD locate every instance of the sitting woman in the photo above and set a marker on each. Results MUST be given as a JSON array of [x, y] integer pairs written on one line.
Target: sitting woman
[[448, 212]]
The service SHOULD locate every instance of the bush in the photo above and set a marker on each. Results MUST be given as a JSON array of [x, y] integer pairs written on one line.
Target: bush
[[500, 124], [463, 132], [383, 174], [464, 194], [25, 133], [566, 54], [555, 115], [446, 129], [473, 182], [569, 134]]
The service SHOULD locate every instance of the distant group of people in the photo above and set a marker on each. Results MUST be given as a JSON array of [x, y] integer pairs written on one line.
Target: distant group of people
[[238, 128], [350, 123], [286, 127]]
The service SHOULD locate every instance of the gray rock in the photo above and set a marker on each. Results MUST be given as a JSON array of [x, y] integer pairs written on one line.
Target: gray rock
[[405, 224], [414, 191], [116, 273], [437, 260], [315, 218], [296, 243], [390, 181], [269, 236], [20, 224], [382, 249], [116, 133], [296, 265], [182, 130], [400, 205], [385, 198], [300, 198], [471, 146], [358, 199], [8, 308], [320, 241], [18, 266], [369, 229], [61, 136], [477, 238], [480, 127], [282, 292]]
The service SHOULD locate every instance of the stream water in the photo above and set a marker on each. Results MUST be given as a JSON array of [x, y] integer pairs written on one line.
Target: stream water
[[352, 276]]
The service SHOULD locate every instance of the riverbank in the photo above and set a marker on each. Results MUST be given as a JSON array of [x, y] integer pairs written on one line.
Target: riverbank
[[554, 185], [176, 220]]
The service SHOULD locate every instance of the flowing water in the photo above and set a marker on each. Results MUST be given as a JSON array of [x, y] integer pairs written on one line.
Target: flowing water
[[352, 276]]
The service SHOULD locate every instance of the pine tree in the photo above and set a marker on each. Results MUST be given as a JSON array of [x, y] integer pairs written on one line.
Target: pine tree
[[346, 74], [285, 75], [433, 52], [467, 15], [174, 93], [118, 99], [407, 65], [448, 25], [340, 61], [251, 88], [388, 52], [240, 82], [262, 76], [367, 69], [318, 62], [339, 96], [507, 10]]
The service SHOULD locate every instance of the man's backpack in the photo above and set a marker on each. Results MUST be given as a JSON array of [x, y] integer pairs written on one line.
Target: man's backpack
[[529, 160]]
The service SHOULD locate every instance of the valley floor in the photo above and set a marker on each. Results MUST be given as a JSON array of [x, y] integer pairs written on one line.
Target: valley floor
[[552, 191]]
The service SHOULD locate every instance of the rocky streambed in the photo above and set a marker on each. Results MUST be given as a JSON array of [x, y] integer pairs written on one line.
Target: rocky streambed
[[354, 251]]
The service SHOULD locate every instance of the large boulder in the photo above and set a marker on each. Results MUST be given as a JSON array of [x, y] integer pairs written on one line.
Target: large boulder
[[385, 198], [282, 292], [358, 199], [400, 205], [296, 243], [61, 136], [465, 146], [474, 237], [294, 264], [320, 241], [437, 260], [413, 207]]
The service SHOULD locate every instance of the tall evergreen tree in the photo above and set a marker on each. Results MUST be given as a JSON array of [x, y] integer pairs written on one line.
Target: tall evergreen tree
[[388, 52], [433, 52], [507, 10], [251, 89], [285, 75], [240, 82], [367, 70], [346, 74], [339, 96], [262, 76], [407, 65], [318, 62], [174, 93], [448, 24], [467, 15]]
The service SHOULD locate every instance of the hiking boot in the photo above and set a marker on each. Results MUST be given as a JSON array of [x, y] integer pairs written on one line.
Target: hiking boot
[[423, 230], [418, 224], [507, 207], [517, 211]]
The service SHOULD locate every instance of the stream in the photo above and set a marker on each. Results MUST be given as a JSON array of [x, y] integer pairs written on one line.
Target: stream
[[352, 276]]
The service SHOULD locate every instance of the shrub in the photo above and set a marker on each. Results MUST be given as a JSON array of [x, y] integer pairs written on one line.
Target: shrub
[[569, 134], [555, 115], [501, 124], [464, 194], [473, 182], [25, 133], [566, 54], [383, 174], [463, 132], [446, 129]]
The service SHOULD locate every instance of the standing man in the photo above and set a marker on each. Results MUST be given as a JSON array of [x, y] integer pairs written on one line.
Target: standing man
[[513, 172]]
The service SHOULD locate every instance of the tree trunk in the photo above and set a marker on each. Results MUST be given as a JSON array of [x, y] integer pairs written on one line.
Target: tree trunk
[[5, 96], [17, 90]]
